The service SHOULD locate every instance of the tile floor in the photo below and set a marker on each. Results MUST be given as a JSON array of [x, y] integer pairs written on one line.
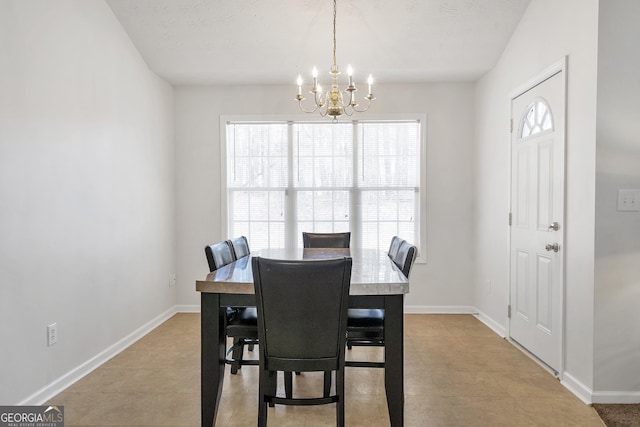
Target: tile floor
[[457, 373]]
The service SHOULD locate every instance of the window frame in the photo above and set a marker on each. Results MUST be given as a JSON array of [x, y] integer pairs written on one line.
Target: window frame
[[261, 119]]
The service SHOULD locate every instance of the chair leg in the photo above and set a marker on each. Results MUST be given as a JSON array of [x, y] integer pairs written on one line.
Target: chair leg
[[266, 388], [340, 394], [288, 385], [272, 387], [238, 348], [327, 383], [250, 346]]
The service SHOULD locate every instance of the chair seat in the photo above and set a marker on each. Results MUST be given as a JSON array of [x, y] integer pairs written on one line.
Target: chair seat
[[243, 322], [240, 323], [365, 327], [370, 319]]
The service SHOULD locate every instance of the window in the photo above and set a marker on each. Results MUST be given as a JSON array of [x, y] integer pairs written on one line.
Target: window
[[537, 119], [283, 178]]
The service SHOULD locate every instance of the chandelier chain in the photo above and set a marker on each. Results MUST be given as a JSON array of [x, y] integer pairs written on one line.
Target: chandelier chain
[[334, 32]]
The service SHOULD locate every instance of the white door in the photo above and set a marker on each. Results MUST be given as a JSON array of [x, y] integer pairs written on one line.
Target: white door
[[537, 214]]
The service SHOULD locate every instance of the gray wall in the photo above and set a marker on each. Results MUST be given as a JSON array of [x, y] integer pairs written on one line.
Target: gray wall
[[86, 191], [617, 238], [442, 284], [548, 31]]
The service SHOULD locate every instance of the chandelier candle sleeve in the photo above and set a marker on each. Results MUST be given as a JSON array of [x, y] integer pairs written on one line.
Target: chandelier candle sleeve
[[314, 72], [333, 103]]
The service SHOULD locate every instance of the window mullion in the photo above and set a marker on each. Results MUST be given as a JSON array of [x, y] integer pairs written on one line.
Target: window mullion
[[290, 196], [355, 216]]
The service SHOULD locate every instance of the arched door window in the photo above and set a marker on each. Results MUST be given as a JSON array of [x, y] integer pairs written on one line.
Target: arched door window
[[537, 118]]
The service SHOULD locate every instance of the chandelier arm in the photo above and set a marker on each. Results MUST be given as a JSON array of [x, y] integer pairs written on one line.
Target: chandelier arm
[[307, 111], [364, 109], [317, 97]]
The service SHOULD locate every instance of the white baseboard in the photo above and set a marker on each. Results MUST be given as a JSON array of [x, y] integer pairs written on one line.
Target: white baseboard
[[616, 397], [438, 309], [66, 380], [492, 324], [580, 390], [187, 308]]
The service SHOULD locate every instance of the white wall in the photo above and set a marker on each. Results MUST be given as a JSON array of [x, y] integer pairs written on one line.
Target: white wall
[[617, 248], [548, 31], [86, 190], [444, 281]]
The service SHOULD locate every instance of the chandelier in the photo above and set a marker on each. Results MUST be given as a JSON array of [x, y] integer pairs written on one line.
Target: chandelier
[[332, 103]]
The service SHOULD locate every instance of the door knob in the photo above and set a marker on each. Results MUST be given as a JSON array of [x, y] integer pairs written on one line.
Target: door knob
[[552, 247], [554, 226]]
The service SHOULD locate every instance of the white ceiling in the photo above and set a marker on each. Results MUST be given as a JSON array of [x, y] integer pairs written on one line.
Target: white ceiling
[[271, 41]]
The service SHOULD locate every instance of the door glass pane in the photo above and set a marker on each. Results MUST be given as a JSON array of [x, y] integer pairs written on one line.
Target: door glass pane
[[537, 119]]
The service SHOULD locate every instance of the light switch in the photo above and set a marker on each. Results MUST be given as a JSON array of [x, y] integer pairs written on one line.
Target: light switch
[[628, 200]]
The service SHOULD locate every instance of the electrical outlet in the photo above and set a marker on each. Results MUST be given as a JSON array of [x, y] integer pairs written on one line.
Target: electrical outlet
[[628, 200], [52, 334], [172, 280]]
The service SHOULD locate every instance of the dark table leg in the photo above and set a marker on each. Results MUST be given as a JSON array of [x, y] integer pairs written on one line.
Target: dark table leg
[[212, 355], [394, 357]]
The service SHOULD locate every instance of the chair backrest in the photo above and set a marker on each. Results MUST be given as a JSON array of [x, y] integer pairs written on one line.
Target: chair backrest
[[405, 257], [219, 255], [240, 247], [326, 240], [310, 334], [395, 245]]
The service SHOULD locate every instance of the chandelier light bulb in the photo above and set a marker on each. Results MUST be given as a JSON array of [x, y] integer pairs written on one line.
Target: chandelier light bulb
[[299, 82]]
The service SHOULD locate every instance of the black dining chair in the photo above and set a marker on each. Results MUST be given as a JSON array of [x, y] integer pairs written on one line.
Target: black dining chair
[[368, 324], [308, 336], [241, 322], [219, 255], [319, 241], [240, 247], [326, 240], [365, 327], [395, 245], [405, 257]]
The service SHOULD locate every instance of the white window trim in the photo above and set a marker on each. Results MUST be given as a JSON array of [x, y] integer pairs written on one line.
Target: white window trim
[[421, 117]]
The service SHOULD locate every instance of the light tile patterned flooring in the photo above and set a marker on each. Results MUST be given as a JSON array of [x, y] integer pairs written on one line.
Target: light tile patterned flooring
[[457, 373]]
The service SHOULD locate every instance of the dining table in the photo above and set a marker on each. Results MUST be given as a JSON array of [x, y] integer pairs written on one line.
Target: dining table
[[376, 282]]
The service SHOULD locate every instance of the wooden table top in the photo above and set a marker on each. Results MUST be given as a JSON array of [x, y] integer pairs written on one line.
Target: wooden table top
[[373, 272]]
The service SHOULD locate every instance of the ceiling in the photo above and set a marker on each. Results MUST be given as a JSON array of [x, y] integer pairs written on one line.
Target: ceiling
[[272, 41]]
